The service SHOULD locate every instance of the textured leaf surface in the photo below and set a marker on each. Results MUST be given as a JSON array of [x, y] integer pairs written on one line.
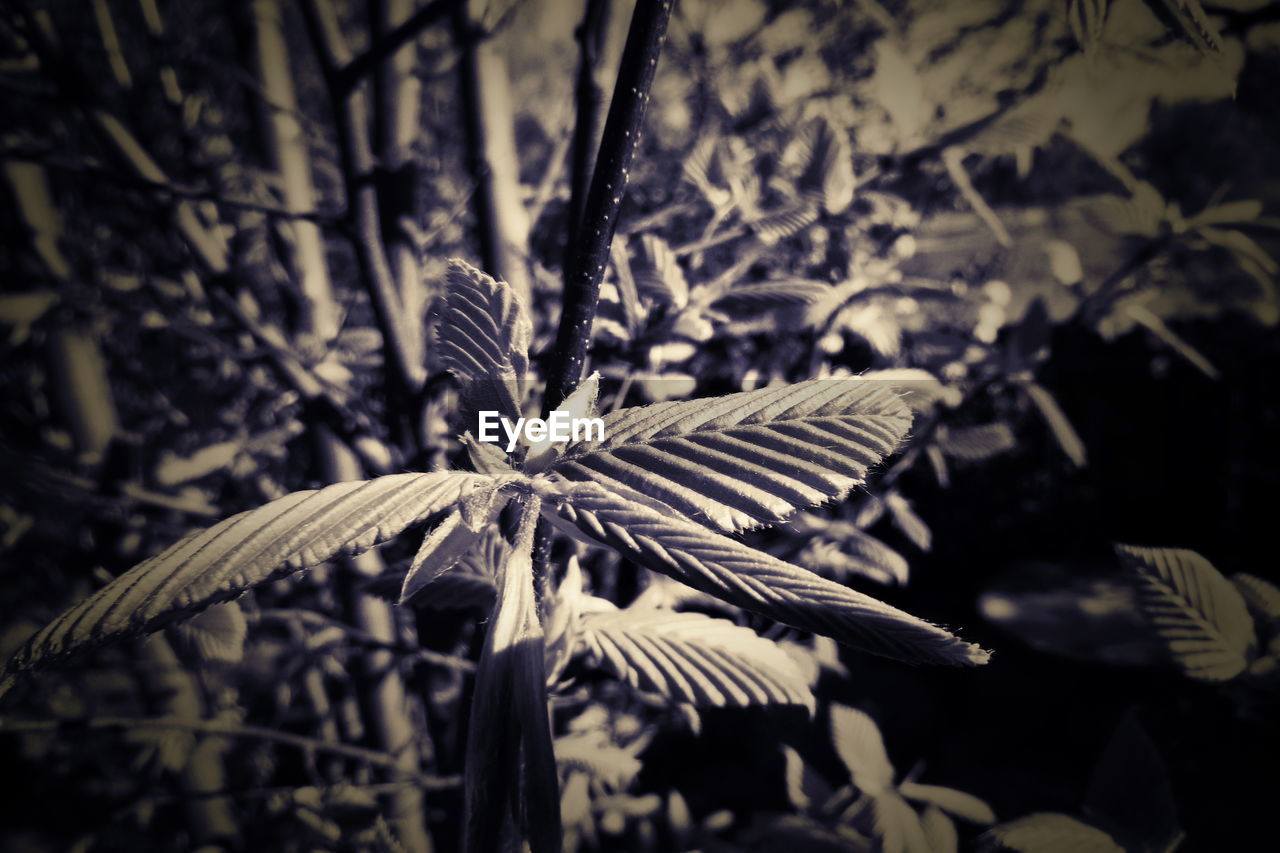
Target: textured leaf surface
[[746, 459], [733, 572], [1049, 832], [695, 658], [1197, 612], [216, 564], [483, 335]]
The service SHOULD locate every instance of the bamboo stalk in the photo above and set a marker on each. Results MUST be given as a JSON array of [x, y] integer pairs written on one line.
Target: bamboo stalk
[[382, 695], [503, 222], [293, 161], [397, 125], [351, 114]]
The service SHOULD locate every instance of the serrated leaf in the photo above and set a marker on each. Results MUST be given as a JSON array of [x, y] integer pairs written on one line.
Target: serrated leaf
[[1195, 610], [954, 802], [265, 544], [658, 274], [859, 744], [695, 658], [763, 296], [777, 225], [744, 459], [897, 825], [844, 549], [633, 313], [483, 334], [1050, 832], [733, 572], [582, 403]]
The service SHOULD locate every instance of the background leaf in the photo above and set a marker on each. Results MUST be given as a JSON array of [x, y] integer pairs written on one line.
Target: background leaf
[[1196, 611], [695, 658]]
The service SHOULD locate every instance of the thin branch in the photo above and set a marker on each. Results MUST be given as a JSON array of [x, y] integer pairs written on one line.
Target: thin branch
[[220, 728], [350, 75]]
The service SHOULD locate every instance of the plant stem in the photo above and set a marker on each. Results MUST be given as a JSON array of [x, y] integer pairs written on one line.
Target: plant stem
[[604, 200]]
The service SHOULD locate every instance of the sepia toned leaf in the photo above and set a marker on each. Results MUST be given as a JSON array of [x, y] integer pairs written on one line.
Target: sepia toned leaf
[[1049, 832], [1200, 616], [695, 658], [215, 635], [1065, 434], [939, 830], [977, 443], [950, 800], [483, 334], [859, 744], [746, 459], [1261, 596], [658, 274], [273, 541], [731, 571]]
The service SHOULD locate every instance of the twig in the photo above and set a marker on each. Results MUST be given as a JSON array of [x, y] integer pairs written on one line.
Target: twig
[[349, 76], [239, 730]]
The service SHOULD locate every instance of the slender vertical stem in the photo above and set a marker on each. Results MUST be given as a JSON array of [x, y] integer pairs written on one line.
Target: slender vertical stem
[[494, 162], [604, 201]]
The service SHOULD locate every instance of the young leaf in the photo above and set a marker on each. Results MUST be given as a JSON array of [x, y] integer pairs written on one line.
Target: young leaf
[[897, 825], [1129, 790], [295, 532], [733, 572], [484, 333], [1196, 611], [950, 800], [977, 443], [940, 831], [745, 459], [859, 744], [695, 658], [511, 785], [1059, 425], [1049, 832], [658, 274]]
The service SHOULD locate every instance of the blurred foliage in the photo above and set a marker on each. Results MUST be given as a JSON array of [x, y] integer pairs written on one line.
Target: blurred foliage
[[1052, 224]]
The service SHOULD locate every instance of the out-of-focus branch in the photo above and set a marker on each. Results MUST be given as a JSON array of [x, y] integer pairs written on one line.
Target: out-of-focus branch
[[292, 161], [382, 695], [503, 222], [205, 241], [390, 41], [351, 114], [592, 34], [396, 126]]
